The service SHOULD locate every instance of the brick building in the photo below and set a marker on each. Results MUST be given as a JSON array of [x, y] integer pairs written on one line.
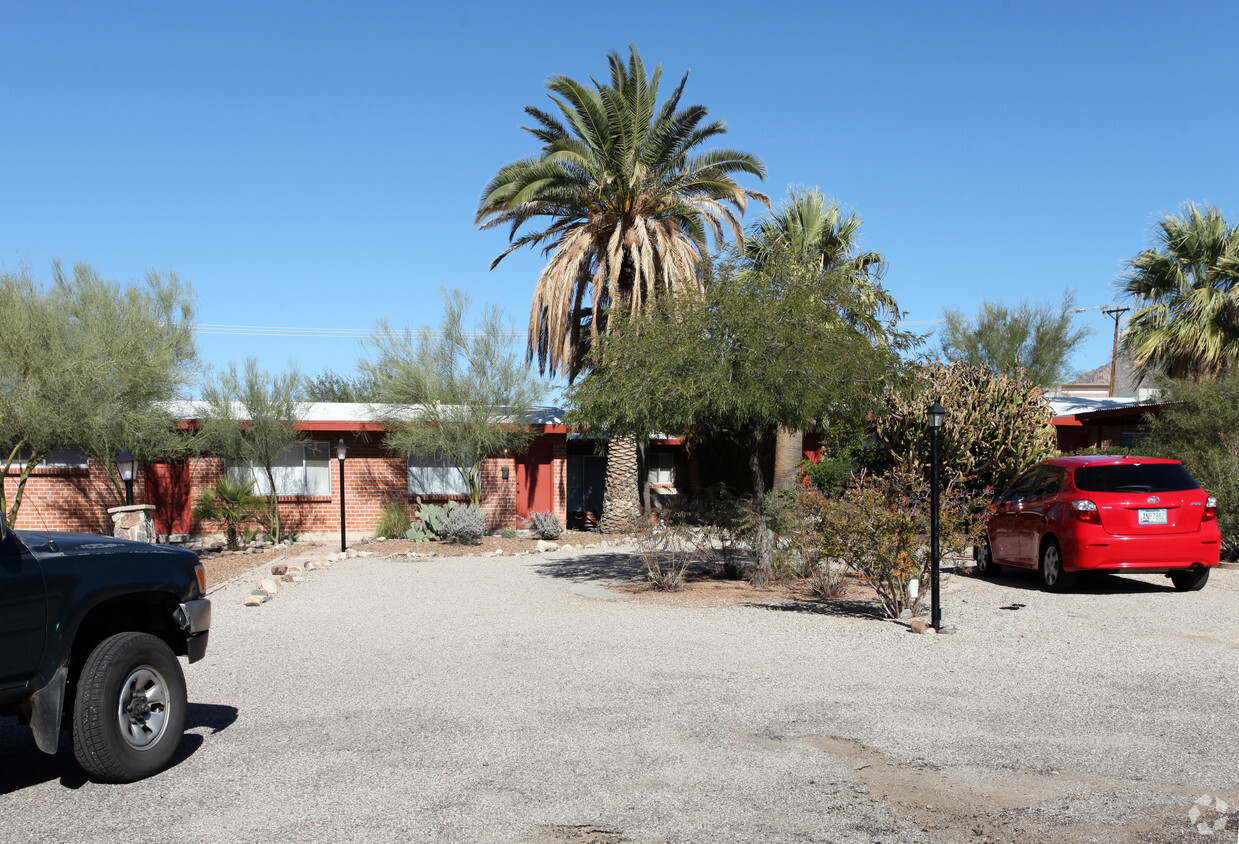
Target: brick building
[[69, 492]]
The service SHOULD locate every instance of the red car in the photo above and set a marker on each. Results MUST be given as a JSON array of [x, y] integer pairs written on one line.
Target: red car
[[1144, 515]]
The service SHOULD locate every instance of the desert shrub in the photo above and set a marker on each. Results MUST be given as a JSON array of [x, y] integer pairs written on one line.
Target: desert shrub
[[662, 550], [508, 533], [714, 526], [799, 520], [544, 525], [232, 503], [879, 529], [463, 526], [394, 523], [996, 426]]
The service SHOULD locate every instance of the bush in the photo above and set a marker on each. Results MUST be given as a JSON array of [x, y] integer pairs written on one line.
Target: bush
[[879, 529], [663, 551], [721, 522], [508, 533], [798, 518], [395, 522], [463, 526], [545, 525], [233, 504]]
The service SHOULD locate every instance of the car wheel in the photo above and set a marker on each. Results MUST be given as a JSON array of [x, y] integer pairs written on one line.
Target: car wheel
[[986, 567], [129, 711], [1055, 578], [1192, 580]]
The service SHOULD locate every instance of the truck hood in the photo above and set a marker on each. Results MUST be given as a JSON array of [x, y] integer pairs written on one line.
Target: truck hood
[[43, 543]]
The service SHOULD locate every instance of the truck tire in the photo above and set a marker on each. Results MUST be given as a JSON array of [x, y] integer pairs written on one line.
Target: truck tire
[[129, 711]]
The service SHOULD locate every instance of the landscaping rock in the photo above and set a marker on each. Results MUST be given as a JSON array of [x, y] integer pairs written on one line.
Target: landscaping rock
[[295, 570], [919, 625], [253, 601], [287, 578], [269, 586], [279, 569], [544, 546]]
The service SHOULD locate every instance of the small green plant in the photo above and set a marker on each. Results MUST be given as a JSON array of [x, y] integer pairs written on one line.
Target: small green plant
[[434, 516], [418, 534], [395, 522], [232, 503], [463, 526], [249, 534], [508, 533], [545, 525]]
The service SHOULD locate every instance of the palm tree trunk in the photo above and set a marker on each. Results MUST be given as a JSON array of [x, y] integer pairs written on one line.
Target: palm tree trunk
[[620, 503], [788, 452]]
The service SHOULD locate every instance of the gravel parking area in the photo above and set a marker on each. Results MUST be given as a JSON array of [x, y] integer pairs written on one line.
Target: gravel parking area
[[521, 699]]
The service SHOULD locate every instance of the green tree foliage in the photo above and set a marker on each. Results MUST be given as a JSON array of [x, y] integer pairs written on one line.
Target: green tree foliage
[[86, 363], [1201, 428], [996, 425], [329, 386], [623, 196], [250, 417], [1038, 340], [766, 347], [470, 392], [1186, 293]]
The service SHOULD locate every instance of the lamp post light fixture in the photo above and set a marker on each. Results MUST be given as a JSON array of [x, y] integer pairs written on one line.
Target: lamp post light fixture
[[341, 453], [127, 468], [935, 415]]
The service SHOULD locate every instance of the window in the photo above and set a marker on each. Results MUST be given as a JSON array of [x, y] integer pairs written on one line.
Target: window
[[300, 469], [1049, 482], [57, 458], [1021, 488], [1135, 477], [435, 474], [662, 468]]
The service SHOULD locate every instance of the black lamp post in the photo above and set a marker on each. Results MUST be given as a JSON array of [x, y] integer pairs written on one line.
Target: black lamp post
[[935, 415], [127, 468], [341, 453]]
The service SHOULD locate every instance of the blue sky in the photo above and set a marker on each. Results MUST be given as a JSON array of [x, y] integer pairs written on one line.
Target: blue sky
[[318, 165]]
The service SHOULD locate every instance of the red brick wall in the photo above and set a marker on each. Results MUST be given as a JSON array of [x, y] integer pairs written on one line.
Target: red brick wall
[[77, 499], [67, 499]]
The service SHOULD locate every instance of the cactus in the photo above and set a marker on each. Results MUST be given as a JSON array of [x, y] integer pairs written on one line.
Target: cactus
[[996, 425]]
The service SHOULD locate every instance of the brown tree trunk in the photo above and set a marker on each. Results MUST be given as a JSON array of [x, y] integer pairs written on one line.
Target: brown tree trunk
[[763, 537], [788, 452], [620, 502]]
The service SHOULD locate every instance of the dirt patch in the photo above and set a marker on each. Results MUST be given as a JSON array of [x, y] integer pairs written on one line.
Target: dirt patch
[[222, 567]]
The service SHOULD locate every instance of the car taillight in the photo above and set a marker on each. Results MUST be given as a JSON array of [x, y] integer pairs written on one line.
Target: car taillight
[[1085, 511], [1210, 509]]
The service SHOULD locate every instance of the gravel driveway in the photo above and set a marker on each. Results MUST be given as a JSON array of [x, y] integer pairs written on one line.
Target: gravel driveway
[[500, 699]]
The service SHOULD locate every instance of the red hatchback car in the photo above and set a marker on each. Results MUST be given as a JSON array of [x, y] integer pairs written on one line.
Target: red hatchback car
[[1143, 515]]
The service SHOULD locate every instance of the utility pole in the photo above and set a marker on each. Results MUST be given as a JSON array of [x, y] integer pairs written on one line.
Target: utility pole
[[1114, 353]]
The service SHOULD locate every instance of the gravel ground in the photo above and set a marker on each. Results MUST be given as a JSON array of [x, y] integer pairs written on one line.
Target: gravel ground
[[518, 699]]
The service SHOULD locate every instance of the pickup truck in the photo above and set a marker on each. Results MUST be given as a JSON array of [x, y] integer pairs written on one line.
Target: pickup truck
[[90, 631]]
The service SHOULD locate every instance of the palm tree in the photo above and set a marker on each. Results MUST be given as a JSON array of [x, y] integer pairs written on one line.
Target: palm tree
[[1187, 294], [627, 199], [810, 225]]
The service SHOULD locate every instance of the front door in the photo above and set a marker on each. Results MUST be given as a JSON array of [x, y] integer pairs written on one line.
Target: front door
[[535, 481], [23, 612], [167, 487]]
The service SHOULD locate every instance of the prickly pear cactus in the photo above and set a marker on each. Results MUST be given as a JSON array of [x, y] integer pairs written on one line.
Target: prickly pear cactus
[[996, 425]]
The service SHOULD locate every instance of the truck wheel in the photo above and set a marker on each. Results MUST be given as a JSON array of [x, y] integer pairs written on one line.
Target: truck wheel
[[129, 712]]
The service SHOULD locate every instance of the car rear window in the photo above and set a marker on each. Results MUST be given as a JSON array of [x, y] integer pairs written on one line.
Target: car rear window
[[1135, 477]]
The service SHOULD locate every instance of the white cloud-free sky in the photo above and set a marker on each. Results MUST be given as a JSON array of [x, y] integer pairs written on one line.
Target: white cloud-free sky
[[318, 165]]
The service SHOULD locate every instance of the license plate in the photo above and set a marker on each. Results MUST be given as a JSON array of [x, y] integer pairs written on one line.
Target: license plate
[[1153, 517]]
